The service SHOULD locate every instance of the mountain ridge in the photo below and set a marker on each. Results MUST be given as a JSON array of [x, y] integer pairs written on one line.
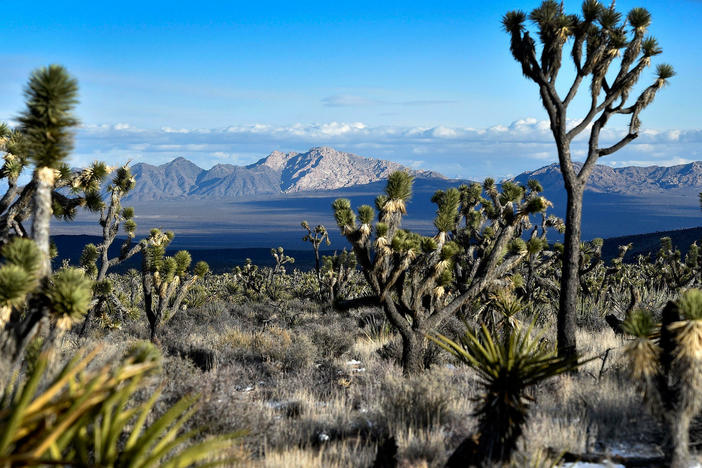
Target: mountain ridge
[[320, 168], [629, 180]]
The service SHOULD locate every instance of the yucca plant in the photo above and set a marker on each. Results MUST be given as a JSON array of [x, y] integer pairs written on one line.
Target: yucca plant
[[506, 368], [667, 367], [88, 418]]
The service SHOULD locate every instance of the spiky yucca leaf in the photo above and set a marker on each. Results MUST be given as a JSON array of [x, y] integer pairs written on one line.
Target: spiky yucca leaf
[[24, 253], [642, 352], [183, 260], [86, 419], [88, 259], [169, 268], [536, 245], [639, 18], [201, 269], [640, 324], [344, 215], [513, 21], [15, 284], [123, 179], [69, 294], [690, 304], [517, 246], [93, 200], [50, 96], [650, 47], [399, 186], [664, 71], [506, 370], [103, 288], [535, 186], [447, 215], [366, 213], [534, 205], [129, 227]]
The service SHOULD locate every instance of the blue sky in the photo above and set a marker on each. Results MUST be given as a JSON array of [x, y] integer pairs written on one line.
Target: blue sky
[[430, 84]]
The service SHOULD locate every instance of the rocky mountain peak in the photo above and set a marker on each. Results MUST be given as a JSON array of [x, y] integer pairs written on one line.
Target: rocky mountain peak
[[277, 160]]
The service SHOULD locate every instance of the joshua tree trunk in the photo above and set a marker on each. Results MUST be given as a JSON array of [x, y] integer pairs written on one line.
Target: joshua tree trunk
[[678, 452], [45, 178], [413, 347], [570, 279]]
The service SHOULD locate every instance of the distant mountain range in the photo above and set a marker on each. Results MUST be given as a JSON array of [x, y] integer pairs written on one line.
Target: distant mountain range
[[633, 180], [324, 169], [320, 168], [261, 205]]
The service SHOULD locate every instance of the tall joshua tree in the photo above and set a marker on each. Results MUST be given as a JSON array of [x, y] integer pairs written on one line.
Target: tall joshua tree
[[29, 294], [611, 50], [46, 125]]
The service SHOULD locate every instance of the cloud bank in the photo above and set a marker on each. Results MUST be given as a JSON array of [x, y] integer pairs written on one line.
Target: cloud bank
[[496, 151]]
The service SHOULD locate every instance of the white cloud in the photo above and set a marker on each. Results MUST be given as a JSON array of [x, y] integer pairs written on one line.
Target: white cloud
[[457, 151]]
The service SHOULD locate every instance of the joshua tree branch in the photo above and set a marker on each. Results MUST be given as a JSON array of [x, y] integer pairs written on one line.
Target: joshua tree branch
[[617, 146]]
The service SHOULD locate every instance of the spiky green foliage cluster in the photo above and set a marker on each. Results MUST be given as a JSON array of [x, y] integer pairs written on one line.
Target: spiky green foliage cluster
[[447, 215], [518, 246], [507, 369], [182, 259], [123, 180], [18, 274], [22, 253], [640, 323], [201, 269], [15, 284], [50, 96], [344, 215], [399, 186], [690, 305], [88, 259], [103, 288], [69, 293]]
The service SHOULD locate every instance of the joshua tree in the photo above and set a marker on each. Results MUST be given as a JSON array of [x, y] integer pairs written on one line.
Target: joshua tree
[[336, 274], [111, 218], [669, 370], [316, 237], [95, 259], [30, 294], [420, 281], [280, 260], [602, 34], [165, 280]]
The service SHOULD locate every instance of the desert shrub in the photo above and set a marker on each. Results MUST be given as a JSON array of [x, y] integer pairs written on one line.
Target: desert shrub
[[332, 341], [417, 401], [197, 296]]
